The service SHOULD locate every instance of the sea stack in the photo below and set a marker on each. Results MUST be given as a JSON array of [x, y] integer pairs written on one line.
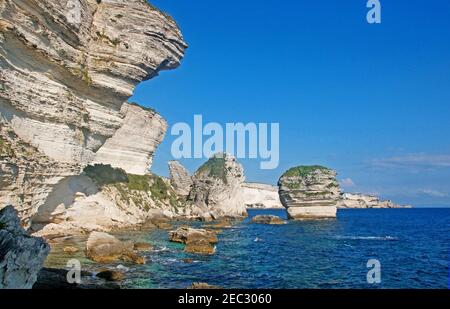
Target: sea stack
[[218, 187], [309, 192]]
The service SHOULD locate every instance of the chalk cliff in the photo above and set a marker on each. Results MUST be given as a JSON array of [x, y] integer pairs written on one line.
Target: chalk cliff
[[358, 200], [263, 196], [309, 192], [217, 187], [66, 70]]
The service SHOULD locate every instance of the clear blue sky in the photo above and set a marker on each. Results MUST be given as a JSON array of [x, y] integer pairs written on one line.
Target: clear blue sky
[[371, 101]]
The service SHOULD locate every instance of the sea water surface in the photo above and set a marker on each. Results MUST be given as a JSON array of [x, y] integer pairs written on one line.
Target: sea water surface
[[412, 246]]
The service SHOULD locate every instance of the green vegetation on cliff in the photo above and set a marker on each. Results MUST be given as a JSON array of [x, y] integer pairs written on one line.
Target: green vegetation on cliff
[[158, 189], [5, 149], [214, 167], [303, 170], [105, 174]]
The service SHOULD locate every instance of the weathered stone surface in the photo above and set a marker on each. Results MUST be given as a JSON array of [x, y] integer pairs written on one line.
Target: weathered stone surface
[[105, 248], [21, 256], [142, 246], [197, 241], [66, 70], [261, 196], [187, 235], [309, 192], [217, 186], [267, 219], [133, 144], [201, 246], [180, 178], [70, 249], [203, 286]]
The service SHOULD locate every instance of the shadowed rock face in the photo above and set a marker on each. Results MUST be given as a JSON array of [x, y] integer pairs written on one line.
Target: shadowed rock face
[[309, 192], [66, 70], [21, 256], [180, 178]]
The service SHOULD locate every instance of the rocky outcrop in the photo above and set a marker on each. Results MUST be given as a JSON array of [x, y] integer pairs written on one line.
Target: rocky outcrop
[[105, 248], [21, 256], [180, 179], [309, 192], [267, 219], [187, 235], [197, 241], [261, 196], [66, 70], [133, 144], [217, 187], [358, 200], [80, 205]]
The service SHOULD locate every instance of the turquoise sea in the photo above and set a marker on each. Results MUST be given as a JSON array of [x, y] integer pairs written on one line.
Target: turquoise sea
[[412, 246]]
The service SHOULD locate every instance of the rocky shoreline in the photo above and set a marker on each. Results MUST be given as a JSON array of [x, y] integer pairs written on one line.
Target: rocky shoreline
[[75, 155]]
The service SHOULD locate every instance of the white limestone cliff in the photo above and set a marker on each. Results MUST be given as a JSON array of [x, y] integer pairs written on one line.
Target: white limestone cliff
[[358, 200], [218, 187], [309, 192], [66, 70], [261, 196]]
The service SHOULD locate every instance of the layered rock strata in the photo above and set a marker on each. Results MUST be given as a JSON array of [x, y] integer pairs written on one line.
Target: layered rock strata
[[180, 178], [358, 200], [261, 196], [66, 70], [218, 187], [309, 192]]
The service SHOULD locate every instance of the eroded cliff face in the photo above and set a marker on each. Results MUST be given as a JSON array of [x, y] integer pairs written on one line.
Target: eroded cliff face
[[218, 187], [66, 69], [309, 192], [262, 196], [358, 200]]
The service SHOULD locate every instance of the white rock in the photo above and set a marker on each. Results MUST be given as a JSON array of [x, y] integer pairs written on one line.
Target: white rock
[[258, 195]]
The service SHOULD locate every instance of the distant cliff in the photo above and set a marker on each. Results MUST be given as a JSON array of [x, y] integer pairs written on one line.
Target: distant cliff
[[66, 70], [358, 200], [261, 196]]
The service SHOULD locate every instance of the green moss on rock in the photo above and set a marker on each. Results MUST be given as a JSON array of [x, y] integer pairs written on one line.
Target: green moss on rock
[[105, 174], [5, 148], [303, 170], [214, 167]]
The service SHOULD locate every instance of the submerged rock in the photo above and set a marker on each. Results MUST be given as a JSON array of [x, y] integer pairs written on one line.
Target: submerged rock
[[203, 286], [201, 246], [105, 248], [187, 235], [142, 246], [21, 256], [267, 219], [309, 192], [70, 249], [197, 241], [53, 278], [111, 275]]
